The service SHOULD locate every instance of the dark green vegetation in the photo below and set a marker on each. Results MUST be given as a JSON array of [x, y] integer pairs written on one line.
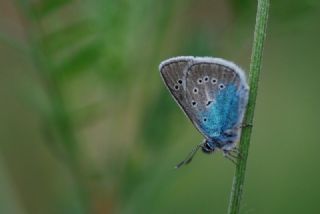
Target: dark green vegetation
[[88, 126]]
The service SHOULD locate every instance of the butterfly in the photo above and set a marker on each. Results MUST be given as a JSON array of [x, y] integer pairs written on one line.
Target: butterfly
[[213, 93]]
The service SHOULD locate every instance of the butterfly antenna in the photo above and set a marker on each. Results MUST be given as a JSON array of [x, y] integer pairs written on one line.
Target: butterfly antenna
[[188, 159]]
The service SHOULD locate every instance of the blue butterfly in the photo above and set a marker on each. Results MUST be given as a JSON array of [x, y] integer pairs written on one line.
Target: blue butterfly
[[213, 93]]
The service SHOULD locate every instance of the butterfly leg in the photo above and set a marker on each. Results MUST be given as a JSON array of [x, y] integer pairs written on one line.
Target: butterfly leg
[[237, 152], [245, 125], [231, 158], [233, 155]]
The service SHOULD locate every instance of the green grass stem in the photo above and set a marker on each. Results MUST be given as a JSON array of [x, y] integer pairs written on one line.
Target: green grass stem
[[255, 68]]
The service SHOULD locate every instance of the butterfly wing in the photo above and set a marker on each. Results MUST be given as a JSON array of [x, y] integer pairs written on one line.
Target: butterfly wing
[[173, 72], [217, 93]]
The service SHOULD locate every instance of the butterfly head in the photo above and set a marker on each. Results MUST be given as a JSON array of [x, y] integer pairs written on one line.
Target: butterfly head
[[208, 147]]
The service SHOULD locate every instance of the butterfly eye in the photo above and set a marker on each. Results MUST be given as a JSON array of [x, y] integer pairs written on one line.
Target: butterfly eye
[[195, 90], [206, 78], [176, 87], [221, 86], [214, 81], [200, 81], [180, 82]]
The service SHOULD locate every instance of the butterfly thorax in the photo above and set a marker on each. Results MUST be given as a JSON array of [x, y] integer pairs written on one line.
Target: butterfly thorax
[[209, 146]]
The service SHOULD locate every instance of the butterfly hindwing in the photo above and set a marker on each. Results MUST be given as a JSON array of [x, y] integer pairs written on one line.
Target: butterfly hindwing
[[217, 94]]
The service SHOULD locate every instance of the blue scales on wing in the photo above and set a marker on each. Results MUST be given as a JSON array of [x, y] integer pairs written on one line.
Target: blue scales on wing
[[223, 114], [218, 95]]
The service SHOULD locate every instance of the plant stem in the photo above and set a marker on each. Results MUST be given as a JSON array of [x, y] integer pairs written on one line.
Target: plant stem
[[255, 67]]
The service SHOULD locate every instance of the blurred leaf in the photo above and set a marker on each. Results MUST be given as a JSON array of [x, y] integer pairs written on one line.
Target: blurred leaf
[[289, 10], [13, 42], [113, 70], [43, 8], [88, 114], [157, 119], [201, 43], [242, 6], [77, 62], [9, 201], [70, 35]]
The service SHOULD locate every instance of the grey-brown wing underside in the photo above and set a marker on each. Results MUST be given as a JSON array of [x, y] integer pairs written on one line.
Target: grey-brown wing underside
[[195, 83], [205, 79], [173, 72], [204, 82]]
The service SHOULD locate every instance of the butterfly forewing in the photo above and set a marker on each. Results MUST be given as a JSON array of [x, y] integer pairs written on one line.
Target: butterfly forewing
[[173, 72]]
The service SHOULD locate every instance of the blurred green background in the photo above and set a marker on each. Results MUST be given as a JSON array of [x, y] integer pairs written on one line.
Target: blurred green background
[[87, 125]]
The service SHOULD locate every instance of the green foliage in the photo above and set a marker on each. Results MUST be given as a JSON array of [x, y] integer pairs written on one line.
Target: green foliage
[[44, 8], [88, 126], [158, 115]]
